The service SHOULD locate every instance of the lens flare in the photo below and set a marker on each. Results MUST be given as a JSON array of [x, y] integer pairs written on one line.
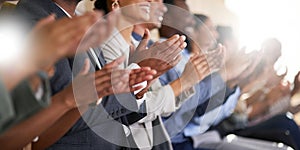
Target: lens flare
[[11, 42]]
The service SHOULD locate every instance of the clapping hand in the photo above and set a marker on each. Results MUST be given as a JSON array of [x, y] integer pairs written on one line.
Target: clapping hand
[[161, 56]]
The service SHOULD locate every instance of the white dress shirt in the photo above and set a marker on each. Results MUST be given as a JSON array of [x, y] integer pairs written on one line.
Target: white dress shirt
[[159, 101]]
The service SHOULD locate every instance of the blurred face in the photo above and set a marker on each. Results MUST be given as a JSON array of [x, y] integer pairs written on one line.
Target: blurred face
[[207, 35], [2, 1], [158, 9], [179, 18], [136, 10], [271, 51], [185, 20]]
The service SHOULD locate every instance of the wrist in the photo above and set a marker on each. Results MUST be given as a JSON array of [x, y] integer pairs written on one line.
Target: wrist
[[187, 82], [180, 85], [68, 99], [223, 74], [59, 103]]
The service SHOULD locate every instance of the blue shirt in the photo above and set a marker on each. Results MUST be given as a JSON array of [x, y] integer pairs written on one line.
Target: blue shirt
[[206, 108]]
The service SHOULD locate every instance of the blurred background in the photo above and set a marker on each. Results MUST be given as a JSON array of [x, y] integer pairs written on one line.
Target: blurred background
[[253, 21]]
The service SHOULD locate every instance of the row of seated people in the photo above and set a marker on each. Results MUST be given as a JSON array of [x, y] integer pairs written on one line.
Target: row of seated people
[[98, 81]]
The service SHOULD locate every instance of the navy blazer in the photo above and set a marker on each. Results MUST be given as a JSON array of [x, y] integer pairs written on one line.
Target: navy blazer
[[100, 119]]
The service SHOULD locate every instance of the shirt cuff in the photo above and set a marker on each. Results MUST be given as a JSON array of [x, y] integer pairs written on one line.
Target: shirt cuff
[[143, 84], [185, 95]]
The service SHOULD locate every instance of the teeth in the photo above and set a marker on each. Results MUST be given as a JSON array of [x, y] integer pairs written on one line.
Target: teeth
[[161, 18], [146, 8]]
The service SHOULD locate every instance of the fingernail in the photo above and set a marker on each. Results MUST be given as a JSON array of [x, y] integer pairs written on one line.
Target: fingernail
[[176, 36], [184, 45], [183, 37]]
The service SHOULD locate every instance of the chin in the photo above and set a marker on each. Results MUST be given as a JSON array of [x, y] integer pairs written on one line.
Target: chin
[[157, 25], [145, 18]]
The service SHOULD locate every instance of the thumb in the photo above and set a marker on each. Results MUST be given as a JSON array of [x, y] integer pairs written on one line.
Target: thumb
[[86, 67], [115, 63], [45, 21], [143, 44]]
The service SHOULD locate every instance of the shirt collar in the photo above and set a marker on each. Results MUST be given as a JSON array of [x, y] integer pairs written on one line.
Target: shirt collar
[[136, 36], [64, 10]]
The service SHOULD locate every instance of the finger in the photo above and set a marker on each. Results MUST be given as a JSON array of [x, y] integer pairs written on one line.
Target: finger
[[176, 60], [114, 76], [86, 67], [145, 40], [105, 92], [173, 51], [199, 60], [166, 44], [175, 47], [140, 79], [102, 87], [115, 63], [43, 22], [176, 53], [141, 93], [103, 79]]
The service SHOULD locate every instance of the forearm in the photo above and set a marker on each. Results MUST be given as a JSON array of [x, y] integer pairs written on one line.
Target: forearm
[[258, 109], [56, 131], [24, 132], [256, 97], [179, 85]]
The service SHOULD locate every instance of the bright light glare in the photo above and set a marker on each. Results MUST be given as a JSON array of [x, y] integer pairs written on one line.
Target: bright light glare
[[11, 43], [261, 19], [230, 138]]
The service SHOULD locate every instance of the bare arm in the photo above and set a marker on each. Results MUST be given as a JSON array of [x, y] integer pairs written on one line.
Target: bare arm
[[56, 131], [24, 132]]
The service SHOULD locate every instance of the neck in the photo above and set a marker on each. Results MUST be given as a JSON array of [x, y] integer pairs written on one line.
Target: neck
[[126, 33], [68, 6], [139, 29], [125, 28], [167, 32]]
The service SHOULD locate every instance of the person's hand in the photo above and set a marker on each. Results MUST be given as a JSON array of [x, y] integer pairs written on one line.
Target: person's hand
[[51, 40], [99, 31], [278, 93], [161, 56], [34, 82], [159, 65], [273, 79], [87, 87], [124, 81], [215, 58], [296, 88], [242, 65], [196, 69], [249, 73]]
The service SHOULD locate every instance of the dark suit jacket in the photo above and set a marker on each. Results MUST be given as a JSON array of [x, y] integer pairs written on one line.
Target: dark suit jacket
[[100, 119]]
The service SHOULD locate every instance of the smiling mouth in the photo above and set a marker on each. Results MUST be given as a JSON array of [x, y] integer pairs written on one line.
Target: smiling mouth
[[145, 7]]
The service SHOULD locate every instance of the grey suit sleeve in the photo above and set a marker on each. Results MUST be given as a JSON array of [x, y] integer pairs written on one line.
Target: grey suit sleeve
[[6, 108], [23, 103]]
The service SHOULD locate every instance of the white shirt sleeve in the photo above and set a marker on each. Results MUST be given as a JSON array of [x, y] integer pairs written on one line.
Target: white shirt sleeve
[[159, 101]]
